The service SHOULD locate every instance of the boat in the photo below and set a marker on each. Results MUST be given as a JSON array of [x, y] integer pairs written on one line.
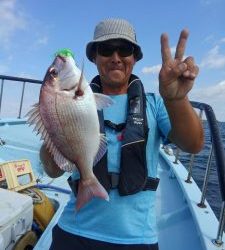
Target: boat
[[185, 219]]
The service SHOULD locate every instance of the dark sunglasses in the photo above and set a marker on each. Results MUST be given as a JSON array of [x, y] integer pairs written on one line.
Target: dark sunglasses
[[107, 49]]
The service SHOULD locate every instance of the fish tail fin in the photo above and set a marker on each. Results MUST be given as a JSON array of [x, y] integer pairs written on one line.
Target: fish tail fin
[[89, 189]]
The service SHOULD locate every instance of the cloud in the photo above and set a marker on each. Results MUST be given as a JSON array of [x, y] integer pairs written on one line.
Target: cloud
[[209, 38], [208, 2], [214, 59], [42, 40], [3, 68], [222, 40], [212, 95], [152, 70], [4, 64], [12, 19]]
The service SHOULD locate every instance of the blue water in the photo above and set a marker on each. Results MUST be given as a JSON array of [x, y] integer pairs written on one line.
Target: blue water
[[213, 195]]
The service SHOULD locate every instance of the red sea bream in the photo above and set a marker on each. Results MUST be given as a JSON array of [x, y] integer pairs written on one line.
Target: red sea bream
[[66, 117]]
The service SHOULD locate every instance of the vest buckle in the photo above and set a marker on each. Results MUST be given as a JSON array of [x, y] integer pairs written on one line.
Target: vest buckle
[[114, 180]]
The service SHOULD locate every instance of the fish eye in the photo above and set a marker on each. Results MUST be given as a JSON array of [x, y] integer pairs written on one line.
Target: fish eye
[[53, 72]]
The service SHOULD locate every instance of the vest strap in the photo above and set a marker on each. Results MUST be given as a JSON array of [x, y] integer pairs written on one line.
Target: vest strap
[[151, 183], [117, 127]]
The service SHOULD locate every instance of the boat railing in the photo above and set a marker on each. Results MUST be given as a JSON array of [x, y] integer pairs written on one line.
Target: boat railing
[[216, 149], [24, 81]]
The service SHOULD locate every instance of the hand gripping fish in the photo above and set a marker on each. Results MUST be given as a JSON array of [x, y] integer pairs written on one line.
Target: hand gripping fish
[[66, 117]]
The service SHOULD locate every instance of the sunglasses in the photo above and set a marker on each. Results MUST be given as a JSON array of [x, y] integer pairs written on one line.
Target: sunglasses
[[107, 49]]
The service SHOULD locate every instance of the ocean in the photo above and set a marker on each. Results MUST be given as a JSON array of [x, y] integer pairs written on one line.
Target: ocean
[[213, 195]]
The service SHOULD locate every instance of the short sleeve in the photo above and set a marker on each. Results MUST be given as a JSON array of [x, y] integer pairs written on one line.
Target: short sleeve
[[160, 114]]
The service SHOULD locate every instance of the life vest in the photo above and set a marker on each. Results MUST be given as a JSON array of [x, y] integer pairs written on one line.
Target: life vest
[[133, 176]]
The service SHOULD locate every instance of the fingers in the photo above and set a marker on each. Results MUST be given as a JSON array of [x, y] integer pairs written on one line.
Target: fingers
[[165, 49], [176, 70], [181, 44], [187, 68], [192, 69], [177, 67]]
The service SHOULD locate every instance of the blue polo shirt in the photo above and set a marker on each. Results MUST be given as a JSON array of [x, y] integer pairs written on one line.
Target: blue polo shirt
[[124, 219]]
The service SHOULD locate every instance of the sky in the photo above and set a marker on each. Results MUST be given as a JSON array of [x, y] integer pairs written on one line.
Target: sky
[[32, 31]]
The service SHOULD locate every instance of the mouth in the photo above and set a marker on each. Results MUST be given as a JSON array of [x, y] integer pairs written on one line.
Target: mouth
[[61, 58], [115, 68], [57, 66], [115, 71]]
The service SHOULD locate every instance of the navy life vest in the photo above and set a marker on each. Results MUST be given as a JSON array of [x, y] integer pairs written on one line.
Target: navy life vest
[[133, 176]]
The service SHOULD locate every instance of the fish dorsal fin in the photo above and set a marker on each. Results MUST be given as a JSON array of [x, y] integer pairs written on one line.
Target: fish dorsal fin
[[102, 101], [102, 149], [34, 118]]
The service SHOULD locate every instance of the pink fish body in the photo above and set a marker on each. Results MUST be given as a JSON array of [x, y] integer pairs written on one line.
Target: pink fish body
[[66, 116]]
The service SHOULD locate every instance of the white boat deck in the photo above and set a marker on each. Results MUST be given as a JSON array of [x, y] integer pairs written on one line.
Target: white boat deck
[[182, 224]]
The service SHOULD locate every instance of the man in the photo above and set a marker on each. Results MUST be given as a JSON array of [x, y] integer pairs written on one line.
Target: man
[[134, 127]]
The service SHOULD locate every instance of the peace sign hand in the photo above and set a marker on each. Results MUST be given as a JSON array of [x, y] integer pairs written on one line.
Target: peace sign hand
[[176, 76]]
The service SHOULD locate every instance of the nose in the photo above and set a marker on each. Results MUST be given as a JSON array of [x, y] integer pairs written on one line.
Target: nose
[[115, 57]]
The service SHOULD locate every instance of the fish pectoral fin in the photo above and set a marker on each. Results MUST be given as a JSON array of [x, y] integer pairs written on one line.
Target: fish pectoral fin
[[61, 161], [101, 150], [102, 101]]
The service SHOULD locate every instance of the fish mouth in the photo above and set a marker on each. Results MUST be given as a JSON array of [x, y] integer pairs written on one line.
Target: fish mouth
[[62, 75], [57, 66], [61, 58], [55, 74]]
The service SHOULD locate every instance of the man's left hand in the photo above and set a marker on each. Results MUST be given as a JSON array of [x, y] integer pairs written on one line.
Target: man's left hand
[[176, 77]]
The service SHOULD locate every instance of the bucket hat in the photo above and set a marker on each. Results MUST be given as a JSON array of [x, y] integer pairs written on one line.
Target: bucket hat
[[113, 28]]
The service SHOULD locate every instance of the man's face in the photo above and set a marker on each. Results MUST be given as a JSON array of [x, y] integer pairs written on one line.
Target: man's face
[[115, 61]]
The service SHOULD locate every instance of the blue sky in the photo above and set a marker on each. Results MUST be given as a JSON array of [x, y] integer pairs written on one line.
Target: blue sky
[[31, 31]]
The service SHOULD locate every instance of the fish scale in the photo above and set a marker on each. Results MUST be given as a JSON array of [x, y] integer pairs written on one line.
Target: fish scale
[[79, 126]]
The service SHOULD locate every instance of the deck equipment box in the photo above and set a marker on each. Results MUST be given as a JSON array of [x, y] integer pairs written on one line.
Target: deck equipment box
[[16, 217]]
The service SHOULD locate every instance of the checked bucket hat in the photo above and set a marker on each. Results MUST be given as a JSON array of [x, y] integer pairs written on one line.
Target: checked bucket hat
[[113, 29]]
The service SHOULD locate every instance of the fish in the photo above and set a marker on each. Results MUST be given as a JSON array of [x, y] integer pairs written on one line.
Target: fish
[[66, 118]]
